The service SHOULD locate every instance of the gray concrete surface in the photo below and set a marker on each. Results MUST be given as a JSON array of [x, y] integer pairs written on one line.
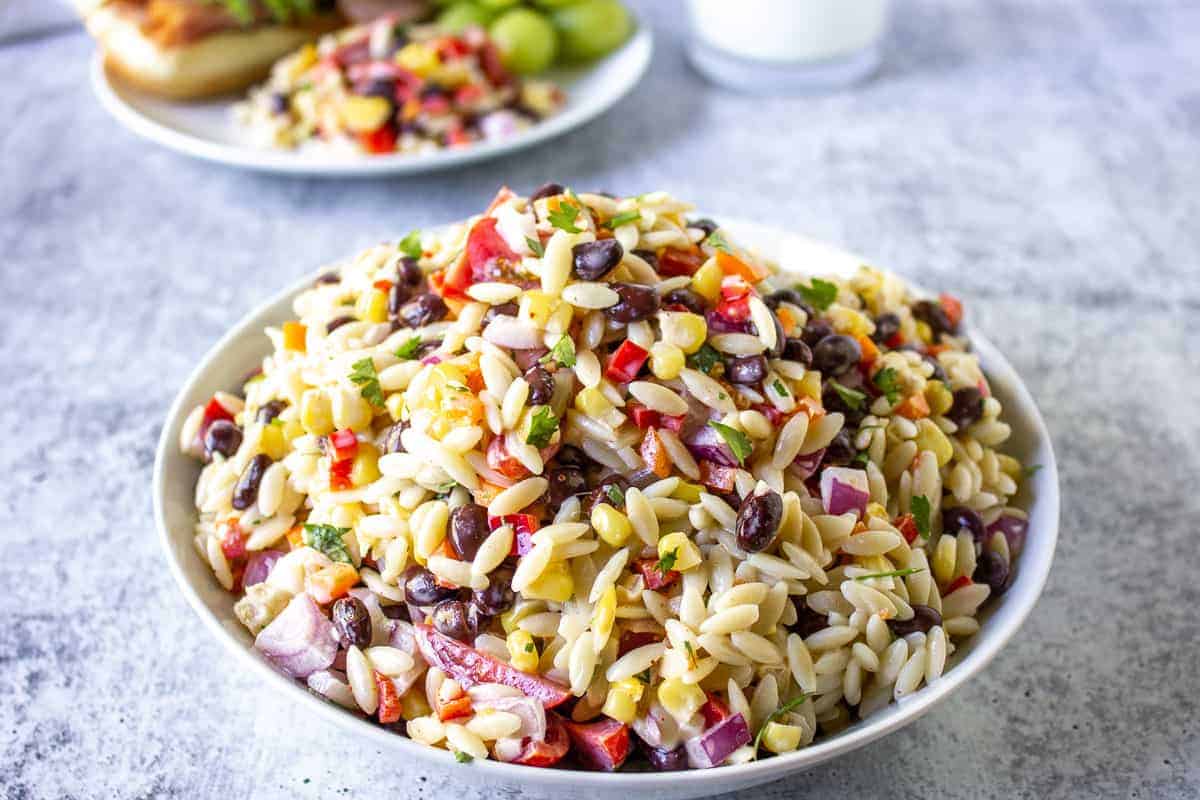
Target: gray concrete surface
[[1040, 158]]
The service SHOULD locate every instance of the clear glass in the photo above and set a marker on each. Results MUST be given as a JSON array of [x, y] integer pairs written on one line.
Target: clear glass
[[765, 46]]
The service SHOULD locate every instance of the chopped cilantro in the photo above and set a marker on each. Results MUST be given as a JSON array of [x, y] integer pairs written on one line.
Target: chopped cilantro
[[644, 675], [896, 573], [615, 495], [666, 563], [691, 655], [564, 217], [704, 359], [446, 488], [717, 241], [542, 426], [536, 246], [327, 539], [778, 713], [861, 458], [529, 648], [463, 758], [410, 245], [819, 293], [1030, 471], [738, 442], [563, 352], [623, 219], [408, 350], [363, 375], [779, 388], [920, 508], [887, 380], [851, 397]]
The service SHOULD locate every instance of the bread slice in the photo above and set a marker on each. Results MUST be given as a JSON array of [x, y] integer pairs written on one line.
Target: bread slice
[[212, 64]]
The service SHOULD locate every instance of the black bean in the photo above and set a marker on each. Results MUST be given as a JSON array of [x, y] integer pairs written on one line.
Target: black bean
[[649, 256], [503, 310], [794, 349], [423, 310], [939, 374], [836, 355], [222, 437], [776, 350], [380, 87], [334, 324], [637, 302], [831, 400], [451, 618], [329, 277], [499, 596], [746, 369], [815, 331], [246, 491], [992, 569], [421, 588], [967, 407], [571, 456], [840, 452], [270, 411], [610, 489], [408, 272], [922, 620], [807, 621], [468, 529], [758, 521], [592, 260], [398, 295], [961, 518], [392, 441], [541, 385], [397, 611], [887, 325], [352, 621], [934, 315], [565, 483], [705, 224], [792, 296], [686, 298], [279, 103], [546, 190]]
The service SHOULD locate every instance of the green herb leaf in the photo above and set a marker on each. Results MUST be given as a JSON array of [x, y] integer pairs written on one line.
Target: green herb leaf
[[704, 359], [564, 217], [887, 380], [536, 246], [408, 350], [851, 397], [717, 241], [691, 655], [542, 426], [777, 714], [563, 352], [410, 245], [738, 442], [529, 648], [463, 758], [644, 675], [622, 219], [363, 375], [327, 539], [1030, 471], [615, 495], [920, 509], [666, 563], [820, 294], [779, 388], [861, 458], [896, 573], [446, 488]]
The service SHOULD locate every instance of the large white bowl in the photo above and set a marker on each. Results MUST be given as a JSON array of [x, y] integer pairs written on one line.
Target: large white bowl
[[242, 350]]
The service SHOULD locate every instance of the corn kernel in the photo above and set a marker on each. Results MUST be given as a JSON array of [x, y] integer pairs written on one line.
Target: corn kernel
[[611, 525], [272, 442], [876, 510], [924, 332], [681, 700], [536, 306], [361, 114], [810, 385], [687, 492], [592, 402], [522, 652], [351, 410], [687, 555], [560, 319], [291, 429], [316, 412], [707, 281], [413, 705], [1010, 466], [930, 437], [780, 738], [666, 360], [685, 330], [395, 405], [605, 614], [945, 556], [295, 336], [418, 58], [346, 515], [372, 305], [850, 322], [622, 700], [938, 397], [366, 465], [554, 584]]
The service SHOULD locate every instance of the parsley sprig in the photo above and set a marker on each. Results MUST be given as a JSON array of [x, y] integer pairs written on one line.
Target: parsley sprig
[[887, 380], [408, 350], [563, 352], [920, 509], [623, 218], [776, 715], [542, 426], [564, 217], [851, 397], [704, 359], [615, 495], [819, 294], [410, 245], [327, 539], [739, 443], [363, 375], [666, 562], [896, 573], [536, 246], [716, 241]]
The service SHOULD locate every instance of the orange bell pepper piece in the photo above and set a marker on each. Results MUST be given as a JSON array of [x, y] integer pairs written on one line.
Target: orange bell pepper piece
[[953, 308], [732, 265], [294, 335], [329, 583], [389, 701], [655, 455], [869, 351], [786, 320], [915, 406]]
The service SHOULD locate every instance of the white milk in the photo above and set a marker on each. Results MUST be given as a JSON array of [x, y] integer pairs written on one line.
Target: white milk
[[789, 30]]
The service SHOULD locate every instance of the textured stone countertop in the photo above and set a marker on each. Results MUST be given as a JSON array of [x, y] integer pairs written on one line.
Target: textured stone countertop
[[1040, 158]]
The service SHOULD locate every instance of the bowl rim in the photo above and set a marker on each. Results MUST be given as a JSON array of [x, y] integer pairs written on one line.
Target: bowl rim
[[1036, 559]]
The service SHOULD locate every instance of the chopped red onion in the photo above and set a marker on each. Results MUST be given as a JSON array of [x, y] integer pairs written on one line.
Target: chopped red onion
[[804, 466], [333, 686], [844, 489], [716, 744], [300, 641], [259, 565], [531, 712], [706, 444]]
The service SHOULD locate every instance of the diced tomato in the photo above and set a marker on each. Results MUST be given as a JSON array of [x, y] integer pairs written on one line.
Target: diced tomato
[[734, 311], [654, 454], [471, 667], [958, 583], [746, 270], [380, 140], [734, 287], [673, 423], [643, 417], [486, 257], [602, 745], [714, 710], [632, 640], [498, 458], [654, 579], [389, 700], [907, 527], [625, 364], [672, 262], [953, 308], [551, 750], [339, 475], [233, 540], [715, 476], [915, 406], [773, 414], [344, 444]]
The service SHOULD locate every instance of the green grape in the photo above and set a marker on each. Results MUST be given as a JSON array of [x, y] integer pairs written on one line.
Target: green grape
[[498, 3], [554, 3], [592, 28], [526, 40], [463, 15]]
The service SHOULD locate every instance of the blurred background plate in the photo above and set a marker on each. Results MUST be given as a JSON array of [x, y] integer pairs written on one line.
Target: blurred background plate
[[207, 130]]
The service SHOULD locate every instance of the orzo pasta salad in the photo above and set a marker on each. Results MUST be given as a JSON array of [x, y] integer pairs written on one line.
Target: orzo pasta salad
[[583, 482]]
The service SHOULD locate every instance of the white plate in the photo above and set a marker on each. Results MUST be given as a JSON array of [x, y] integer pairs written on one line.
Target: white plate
[[243, 348], [207, 129]]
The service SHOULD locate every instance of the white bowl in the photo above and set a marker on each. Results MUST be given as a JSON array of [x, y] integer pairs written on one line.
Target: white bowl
[[242, 349]]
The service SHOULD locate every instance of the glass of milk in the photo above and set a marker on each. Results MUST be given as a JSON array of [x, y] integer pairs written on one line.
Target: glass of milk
[[786, 45]]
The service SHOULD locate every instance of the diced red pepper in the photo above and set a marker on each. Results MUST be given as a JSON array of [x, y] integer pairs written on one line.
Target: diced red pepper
[[523, 525], [339, 475], [380, 140], [715, 476], [632, 640], [734, 288], [213, 411], [389, 701], [233, 540], [551, 750], [467, 94], [455, 709], [895, 341], [734, 311], [907, 527], [457, 137], [383, 285], [451, 47], [953, 308], [643, 417], [498, 458], [602, 745], [958, 583], [344, 444], [486, 257], [470, 667], [625, 364], [673, 262], [714, 710], [673, 423], [493, 65], [654, 579]]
